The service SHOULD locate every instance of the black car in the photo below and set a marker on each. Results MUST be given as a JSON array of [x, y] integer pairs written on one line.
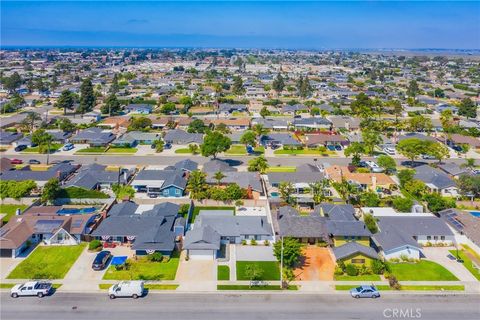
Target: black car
[[101, 260], [20, 148], [33, 161]]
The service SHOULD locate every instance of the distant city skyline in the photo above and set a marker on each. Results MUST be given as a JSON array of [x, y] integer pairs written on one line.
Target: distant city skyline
[[272, 24]]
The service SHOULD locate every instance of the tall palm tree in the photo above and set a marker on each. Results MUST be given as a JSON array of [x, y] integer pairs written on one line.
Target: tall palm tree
[[318, 190], [30, 120], [259, 131], [196, 183], [218, 176]]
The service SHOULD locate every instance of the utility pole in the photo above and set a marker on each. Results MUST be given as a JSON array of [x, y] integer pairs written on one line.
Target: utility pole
[[281, 264], [48, 151]]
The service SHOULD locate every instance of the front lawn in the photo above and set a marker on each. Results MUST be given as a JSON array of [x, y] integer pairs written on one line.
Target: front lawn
[[281, 169], [48, 262], [53, 147], [9, 210], [91, 150], [421, 271], [197, 209], [122, 150], [143, 269], [238, 149], [365, 277], [467, 262], [270, 270], [183, 150], [80, 193], [223, 273]]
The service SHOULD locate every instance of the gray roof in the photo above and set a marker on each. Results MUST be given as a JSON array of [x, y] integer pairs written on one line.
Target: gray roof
[[7, 137], [294, 108], [351, 248], [243, 179], [61, 171], [398, 232], [311, 122], [279, 138], [202, 238], [137, 136], [452, 168], [291, 224], [179, 136], [433, 176], [229, 108], [295, 177], [94, 135], [217, 165], [186, 165], [347, 228], [235, 226], [416, 136], [339, 212], [307, 167], [169, 177], [269, 123], [90, 176]]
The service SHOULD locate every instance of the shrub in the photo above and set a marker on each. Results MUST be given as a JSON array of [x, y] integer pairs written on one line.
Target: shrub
[[95, 245], [393, 282], [370, 223], [378, 267], [156, 257], [338, 271], [253, 242], [363, 269], [351, 270], [341, 265], [266, 243], [402, 204], [244, 242], [394, 260], [239, 203], [404, 257]]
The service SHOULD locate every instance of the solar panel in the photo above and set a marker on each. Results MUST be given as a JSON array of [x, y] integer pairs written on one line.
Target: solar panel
[[76, 223], [44, 226]]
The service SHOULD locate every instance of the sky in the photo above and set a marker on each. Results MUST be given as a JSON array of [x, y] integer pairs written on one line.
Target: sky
[[236, 24]]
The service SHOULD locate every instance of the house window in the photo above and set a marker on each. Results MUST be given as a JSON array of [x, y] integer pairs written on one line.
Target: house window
[[358, 261], [429, 237], [442, 237], [435, 237], [165, 192], [177, 192]]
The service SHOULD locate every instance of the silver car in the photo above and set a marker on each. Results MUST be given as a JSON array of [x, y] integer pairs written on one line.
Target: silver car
[[365, 292]]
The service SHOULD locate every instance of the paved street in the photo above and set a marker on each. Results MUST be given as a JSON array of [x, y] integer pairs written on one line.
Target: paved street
[[240, 306]]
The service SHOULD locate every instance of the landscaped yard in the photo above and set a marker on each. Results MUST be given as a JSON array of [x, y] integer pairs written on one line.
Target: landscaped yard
[[240, 149], [143, 269], [467, 262], [197, 209], [223, 273], [183, 150], [91, 150], [421, 271], [281, 169], [53, 147], [122, 150], [9, 210], [80, 193], [48, 262], [270, 270], [365, 277]]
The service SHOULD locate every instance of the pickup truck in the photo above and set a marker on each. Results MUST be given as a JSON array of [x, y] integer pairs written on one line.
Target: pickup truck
[[33, 288]]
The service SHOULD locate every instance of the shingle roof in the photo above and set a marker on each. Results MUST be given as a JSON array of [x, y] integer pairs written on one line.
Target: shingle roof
[[218, 165], [179, 136], [235, 226], [202, 238], [348, 228], [351, 248], [433, 176], [295, 177]]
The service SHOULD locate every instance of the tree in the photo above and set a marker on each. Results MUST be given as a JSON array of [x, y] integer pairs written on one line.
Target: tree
[[469, 185], [264, 112], [387, 162], [253, 272], [111, 106], [159, 145], [218, 176], [371, 139], [31, 120], [197, 182], [355, 149], [318, 190], [469, 163], [193, 148], [114, 88], [413, 89], [213, 143], [222, 127], [237, 87], [286, 190], [402, 204], [168, 108], [65, 125], [405, 176], [66, 101], [234, 192], [369, 199], [292, 250], [197, 126], [420, 123], [50, 191], [346, 190], [248, 138], [415, 187], [411, 148], [467, 108], [12, 82], [370, 223], [259, 164], [361, 105], [140, 123], [436, 149], [42, 139], [87, 96], [436, 202], [278, 83], [123, 191], [304, 88], [259, 130], [16, 189]]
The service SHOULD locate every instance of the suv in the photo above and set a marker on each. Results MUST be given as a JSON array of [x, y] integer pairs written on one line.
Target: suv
[[20, 148], [365, 292], [101, 260], [68, 146]]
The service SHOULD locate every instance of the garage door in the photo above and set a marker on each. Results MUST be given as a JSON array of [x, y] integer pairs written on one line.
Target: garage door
[[201, 254], [6, 253]]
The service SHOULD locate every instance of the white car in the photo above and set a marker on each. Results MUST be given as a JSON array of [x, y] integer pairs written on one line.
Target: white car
[[389, 151], [374, 167], [33, 288], [132, 289]]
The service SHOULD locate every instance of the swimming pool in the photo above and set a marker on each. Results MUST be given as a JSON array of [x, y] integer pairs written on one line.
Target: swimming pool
[[76, 210], [475, 213], [274, 194]]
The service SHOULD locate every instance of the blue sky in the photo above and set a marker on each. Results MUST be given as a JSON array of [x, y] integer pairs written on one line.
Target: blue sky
[[272, 24]]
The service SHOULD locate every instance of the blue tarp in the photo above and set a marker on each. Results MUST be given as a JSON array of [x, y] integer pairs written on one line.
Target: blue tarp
[[118, 260]]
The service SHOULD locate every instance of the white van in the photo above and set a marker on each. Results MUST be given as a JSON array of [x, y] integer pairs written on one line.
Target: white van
[[132, 289]]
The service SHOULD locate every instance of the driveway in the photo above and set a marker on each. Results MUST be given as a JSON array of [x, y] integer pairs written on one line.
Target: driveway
[[254, 253], [7, 265], [316, 264], [439, 255], [81, 276], [196, 275]]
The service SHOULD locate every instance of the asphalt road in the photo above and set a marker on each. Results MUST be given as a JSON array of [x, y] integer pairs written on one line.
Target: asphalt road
[[240, 306]]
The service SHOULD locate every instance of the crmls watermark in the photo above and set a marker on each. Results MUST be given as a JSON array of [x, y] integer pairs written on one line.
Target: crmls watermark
[[402, 313]]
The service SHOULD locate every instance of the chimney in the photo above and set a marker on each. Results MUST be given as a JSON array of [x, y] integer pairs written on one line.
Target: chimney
[[374, 182]]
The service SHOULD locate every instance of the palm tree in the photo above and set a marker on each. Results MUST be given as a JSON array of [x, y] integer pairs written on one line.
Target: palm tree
[[318, 190], [259, 131], [286, 190], [218, 176], [196, 183], [469, 163], [30, 120], [346, 190]]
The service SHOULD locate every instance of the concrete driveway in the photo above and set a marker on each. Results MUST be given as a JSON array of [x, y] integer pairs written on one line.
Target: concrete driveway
[[196, 275], [316, 264], [439, 255], [7, 265], [254, 253]]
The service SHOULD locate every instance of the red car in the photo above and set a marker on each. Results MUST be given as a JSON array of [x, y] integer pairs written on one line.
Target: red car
[[16, 161]]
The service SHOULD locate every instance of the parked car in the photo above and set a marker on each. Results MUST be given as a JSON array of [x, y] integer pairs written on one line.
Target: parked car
[[457, 148], [101, 260], [428, 157], [374, 167], [274, 146], [338, 147], [167, 146], [153, 195], [331, 147], [16, 161], [132, 289], [33, 288], [68, 146], [20, 148], [389, 151], [365, 292], [33, 161]]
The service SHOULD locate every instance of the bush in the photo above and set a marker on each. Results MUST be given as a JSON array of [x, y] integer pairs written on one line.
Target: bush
[[404, 257], [378, 267], [266, 243], [402, 204], [370, 223], [244, 242], [393, 282], [363, 269], [338, 271], [351, 270], [95, 245], [253, 242], [156, 257]]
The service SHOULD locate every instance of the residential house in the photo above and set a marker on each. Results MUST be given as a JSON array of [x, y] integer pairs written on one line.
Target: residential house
[[294, 109], [312, 124], [92, 116], [453, 169], [436, 180], [116, 122], [227, 109], [95, 137], [250, 181], [458, 139], [365, 181], [181, 137], [97, 177], [216, 165], [7, 137], [133, 138], [345, 123], [186, 166], [316, 140], [279, 139], [466, 224], [139, 108], [59, 136], [165, 183], [355, 253], [275, 124], [234, 124], [60, 171]]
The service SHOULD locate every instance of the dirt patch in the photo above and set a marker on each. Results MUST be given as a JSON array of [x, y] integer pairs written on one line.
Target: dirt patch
[[316, 264]]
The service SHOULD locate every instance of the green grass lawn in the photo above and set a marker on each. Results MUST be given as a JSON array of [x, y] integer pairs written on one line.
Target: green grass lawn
[[223, 273], [409, 287], [271, 270], [9, 210], [48, 262], [365, 277], [281, 169], [467, 262], [422, 271], [121, 150], [106, 286], [143, 269], [197, 209], [53, 147], [91, 150], [80, 193], [237, 149], [183, 150]]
